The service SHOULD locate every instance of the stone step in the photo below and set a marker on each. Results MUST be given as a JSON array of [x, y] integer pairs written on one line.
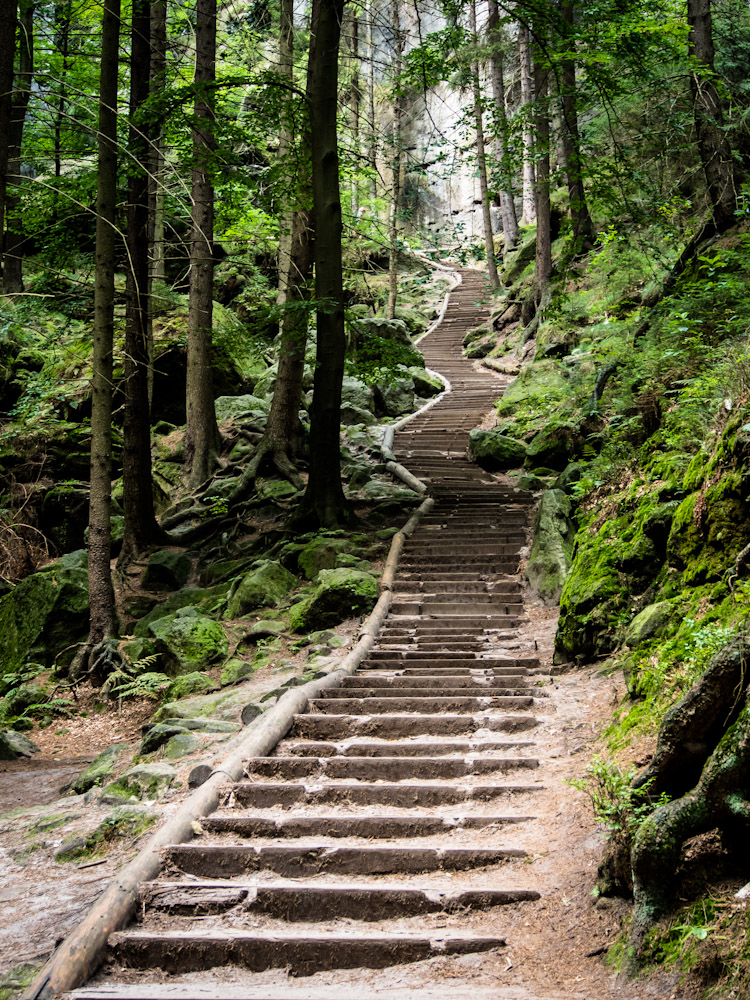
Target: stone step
[[427, 705], [398, 795], [453, 681], [315, 951], [293, 860], [398, 726], [390, 748], [383, 768], [367, 827], [316, 902]]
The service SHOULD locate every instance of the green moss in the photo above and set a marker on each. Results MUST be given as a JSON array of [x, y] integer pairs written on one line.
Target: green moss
[[122, 824]]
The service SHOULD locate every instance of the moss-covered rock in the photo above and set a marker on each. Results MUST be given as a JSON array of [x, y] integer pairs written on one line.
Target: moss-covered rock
[[226, 706], [321, 553], [189, 641], [650, 623], [531, 398], [493, 450], [355, 393], [480, 348], [592, 597], [552, 447], [237, 670], [395, 398], [233, 407], [192, 683], [265, 586], [708, 530], [356, 416], [159, 734], [166, 570], [144, 781], [552, 547], [181, 745], [339, 594], [100, 770], [426, 385]]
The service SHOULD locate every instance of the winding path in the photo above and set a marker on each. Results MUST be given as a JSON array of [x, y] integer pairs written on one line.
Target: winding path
[[390, 827]]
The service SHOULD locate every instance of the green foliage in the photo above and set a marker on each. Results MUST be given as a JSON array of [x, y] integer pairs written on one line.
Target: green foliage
[[132, 679], [617, 805]]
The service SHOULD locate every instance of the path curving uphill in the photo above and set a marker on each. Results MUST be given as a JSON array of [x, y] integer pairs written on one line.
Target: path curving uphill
[[391, 826]]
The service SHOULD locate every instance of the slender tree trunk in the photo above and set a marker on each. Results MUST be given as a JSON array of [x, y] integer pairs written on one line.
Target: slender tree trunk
[[324, 496], [372, 143], [286, 220], [489, 242], [528, 213], [141, 529], [63, 44], [583, 227], [101, 597], [156, 181], [507, 201], [202, 436], [356, 104], [396, 165], [715, 152], [8, 24], [14, 233], [543, 260]]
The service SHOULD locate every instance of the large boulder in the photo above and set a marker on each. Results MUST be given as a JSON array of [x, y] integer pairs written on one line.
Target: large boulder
[[45, 614], [552, 447], [143, 781], [355, 393], [552, 546], [494, 450], [263, 587], [321, 553], [188, 641], [395, 397], [339, 594], [233, 407], [425, 384]]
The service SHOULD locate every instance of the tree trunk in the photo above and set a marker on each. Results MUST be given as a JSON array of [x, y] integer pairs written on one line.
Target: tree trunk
[[157, 178], [507, 201], [324, 497], [396, 165], [356, 106], [489, 242], [101, 597], [62, 40], [372, 144], [715, 152], [14, 234], [528, 213], [202, 436], [141, 529], [583, 227], [286, 221], [543, 260], [8, 24]]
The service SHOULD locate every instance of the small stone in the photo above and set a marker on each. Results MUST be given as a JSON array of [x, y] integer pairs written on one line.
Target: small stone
[[199, 775], [14, 745], [250, 712]]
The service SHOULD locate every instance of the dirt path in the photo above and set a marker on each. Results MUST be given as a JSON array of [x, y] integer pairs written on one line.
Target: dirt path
[[415, 832]]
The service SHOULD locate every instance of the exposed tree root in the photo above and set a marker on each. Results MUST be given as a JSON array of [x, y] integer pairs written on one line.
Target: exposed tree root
[[703, 759]]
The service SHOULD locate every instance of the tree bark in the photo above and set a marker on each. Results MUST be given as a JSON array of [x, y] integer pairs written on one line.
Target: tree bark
[[202, 435], [372, 143], [713, 147], [528, 213], [507, 200], [8, 24], [62, 40], [583, 227], [286, 221], [157, 178], [396, 164], [543, 259], [324, 497], [356, 108], [141, 529], [101, 597], [14, 232], [489, 242]]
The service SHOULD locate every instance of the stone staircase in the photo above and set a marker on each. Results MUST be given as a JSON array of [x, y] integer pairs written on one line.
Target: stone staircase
[[389, 823]]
